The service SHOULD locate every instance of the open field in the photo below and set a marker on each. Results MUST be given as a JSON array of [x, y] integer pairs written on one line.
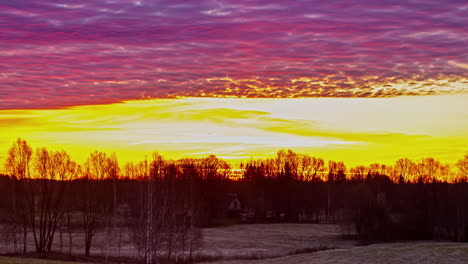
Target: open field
[[405, 252], [9, 260], [292, 243], [270, 240], [231, 242]]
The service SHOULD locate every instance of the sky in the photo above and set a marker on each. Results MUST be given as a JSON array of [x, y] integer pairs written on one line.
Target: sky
[[362, 131], [237, 78]]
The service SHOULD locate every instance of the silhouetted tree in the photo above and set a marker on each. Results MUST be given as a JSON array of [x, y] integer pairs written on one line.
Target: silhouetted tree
[[167, 201], [45, 195], [462, 165], [18, 167], [94, 195]]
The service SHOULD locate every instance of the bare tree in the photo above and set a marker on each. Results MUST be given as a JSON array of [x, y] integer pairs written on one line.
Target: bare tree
[[212, 168], [151, 215], [462, 165], [309, 167], [336, 171], [318, 166], [94, 205], [403, 168], [191, 236], [113, 170], [53, 171], [287, 164], [358, 173], [429, 170], [18, 167], [336, 174]]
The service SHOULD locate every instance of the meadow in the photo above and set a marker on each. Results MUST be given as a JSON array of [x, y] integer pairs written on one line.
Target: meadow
[[291, 243], [259, 241], [242, 241], [385, 253]]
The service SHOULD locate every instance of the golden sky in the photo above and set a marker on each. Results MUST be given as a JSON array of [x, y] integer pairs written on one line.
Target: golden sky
[[355, 130]]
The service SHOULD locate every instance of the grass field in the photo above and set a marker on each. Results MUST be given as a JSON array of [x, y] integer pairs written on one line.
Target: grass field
[[407, 252], [250, 241], [296, 243], [9, 260], [270, 240], [237, 241]]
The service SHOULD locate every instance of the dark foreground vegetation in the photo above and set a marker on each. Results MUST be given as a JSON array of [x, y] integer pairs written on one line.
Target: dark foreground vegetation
[[165, 202]]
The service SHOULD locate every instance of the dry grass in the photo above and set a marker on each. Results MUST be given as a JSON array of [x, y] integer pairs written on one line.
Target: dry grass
[[9, 260], [407, 252], [258, 241], [288, 243], [250, 241]]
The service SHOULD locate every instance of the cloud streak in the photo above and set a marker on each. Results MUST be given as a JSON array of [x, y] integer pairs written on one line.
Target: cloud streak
[[244, 128], [55, 54]]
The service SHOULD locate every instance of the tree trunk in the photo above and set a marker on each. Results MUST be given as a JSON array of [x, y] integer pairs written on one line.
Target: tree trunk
[[327, 216], [61, 238], [25, 235], [15, 218], [69, 234], [114, 214], [120, 239], [107, 240], [149, 223], [87, 245]]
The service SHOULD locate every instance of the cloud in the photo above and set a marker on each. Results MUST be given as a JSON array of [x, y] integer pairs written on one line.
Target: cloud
[[458, 64], [368, 130], [55, 54]]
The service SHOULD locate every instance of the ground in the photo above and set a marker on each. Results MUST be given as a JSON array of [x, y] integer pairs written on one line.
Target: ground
[[297, 243], [9, 260], [407, 252], [270, 240]]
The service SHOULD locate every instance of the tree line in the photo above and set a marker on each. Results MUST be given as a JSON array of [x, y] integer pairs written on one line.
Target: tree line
[[163, 203]]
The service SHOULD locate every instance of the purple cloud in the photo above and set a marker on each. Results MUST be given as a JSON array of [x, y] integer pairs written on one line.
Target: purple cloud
[[55, 54]]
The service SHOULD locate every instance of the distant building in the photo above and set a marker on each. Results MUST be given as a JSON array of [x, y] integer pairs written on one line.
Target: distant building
[[233, 206]]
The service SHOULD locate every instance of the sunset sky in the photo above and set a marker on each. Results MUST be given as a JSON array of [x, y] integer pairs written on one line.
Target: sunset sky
[[359, 81]]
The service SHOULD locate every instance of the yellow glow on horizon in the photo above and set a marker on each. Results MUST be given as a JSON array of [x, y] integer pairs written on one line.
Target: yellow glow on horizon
[[355, 130]]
